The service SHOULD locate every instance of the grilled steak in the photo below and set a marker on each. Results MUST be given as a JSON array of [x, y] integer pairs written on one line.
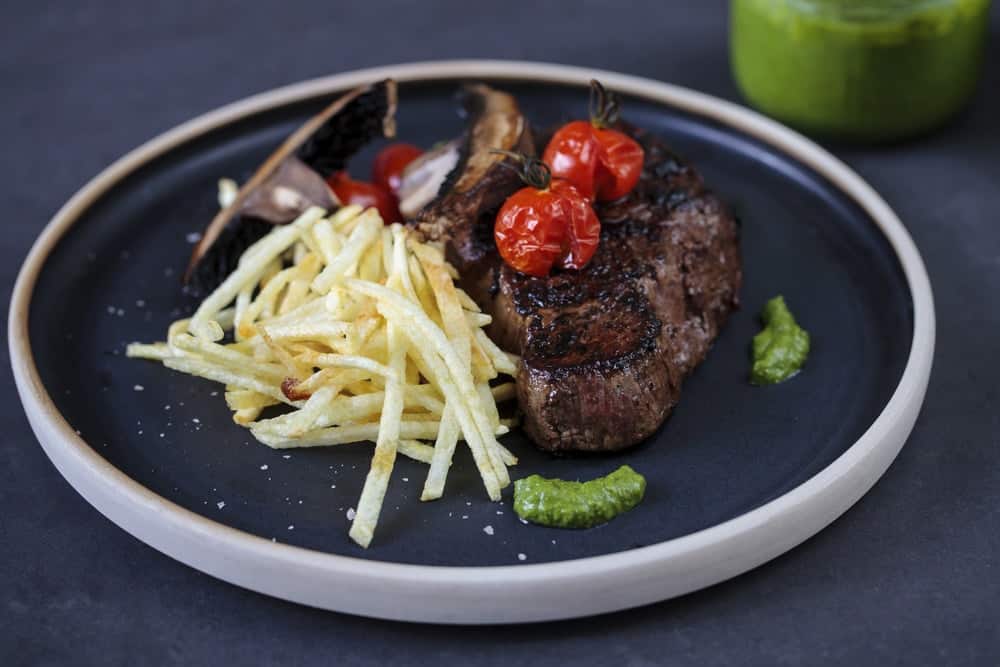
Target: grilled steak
[[604, 350]]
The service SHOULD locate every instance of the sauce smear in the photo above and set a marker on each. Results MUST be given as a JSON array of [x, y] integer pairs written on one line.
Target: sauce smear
[[561, 504]]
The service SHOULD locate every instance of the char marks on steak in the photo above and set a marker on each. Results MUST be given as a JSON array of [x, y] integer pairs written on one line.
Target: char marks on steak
[[605, 349]]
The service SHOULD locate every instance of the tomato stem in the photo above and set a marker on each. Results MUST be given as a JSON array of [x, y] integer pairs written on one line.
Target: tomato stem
[[532, 171], [605, 107]]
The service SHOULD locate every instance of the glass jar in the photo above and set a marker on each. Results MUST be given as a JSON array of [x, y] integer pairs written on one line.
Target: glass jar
[[864, 70]]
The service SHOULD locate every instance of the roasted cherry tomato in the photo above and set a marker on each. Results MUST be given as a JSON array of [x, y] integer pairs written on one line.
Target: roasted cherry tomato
[[390, 163], [601, 162], [364, 194], [547, 224]]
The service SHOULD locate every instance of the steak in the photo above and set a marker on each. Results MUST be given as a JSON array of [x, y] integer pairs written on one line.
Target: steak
[[605, 350]]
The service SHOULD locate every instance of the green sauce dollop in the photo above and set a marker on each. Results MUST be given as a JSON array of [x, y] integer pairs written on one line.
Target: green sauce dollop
[[562, 504], [780, 350]]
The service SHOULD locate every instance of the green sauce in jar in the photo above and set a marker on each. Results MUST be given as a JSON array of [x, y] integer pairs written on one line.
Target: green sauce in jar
[[869, 70]]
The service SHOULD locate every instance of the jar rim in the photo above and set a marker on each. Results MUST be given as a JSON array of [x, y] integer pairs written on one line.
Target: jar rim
[[863, 11]]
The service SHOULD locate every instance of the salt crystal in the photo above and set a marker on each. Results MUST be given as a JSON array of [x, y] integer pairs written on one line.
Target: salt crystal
[[351, 514], [139, 303], [488, 530], [264, 467], [192, 237], [291, 527], [220, 504], [522, 557], [138, 387]]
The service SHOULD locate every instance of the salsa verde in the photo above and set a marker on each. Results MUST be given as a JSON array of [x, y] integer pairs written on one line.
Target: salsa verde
[[781, 348], [562, 504]]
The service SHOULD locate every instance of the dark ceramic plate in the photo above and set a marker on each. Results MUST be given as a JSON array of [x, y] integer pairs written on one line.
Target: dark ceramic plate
[[728, 449]]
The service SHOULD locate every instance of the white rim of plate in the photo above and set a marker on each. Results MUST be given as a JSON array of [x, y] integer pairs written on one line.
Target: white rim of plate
[[487, 594]]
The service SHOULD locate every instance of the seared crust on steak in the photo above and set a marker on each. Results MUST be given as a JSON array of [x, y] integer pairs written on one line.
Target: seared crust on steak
[[605, 349]]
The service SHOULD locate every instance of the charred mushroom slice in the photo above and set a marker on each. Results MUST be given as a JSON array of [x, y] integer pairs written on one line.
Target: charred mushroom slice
[[287, 193], [480, 181], [293, 178], [422, 179]]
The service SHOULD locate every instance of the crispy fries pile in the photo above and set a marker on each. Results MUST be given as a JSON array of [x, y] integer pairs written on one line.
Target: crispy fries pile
[[360, 329]]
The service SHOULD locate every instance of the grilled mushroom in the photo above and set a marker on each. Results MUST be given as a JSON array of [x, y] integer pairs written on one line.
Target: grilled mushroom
[[293, 178], [480, 181], [422, 179]]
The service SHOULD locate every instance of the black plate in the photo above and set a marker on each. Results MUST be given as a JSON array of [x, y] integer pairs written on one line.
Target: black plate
[[728, 448]]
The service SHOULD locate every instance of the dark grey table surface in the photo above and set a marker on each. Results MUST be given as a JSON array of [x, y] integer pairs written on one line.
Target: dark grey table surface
[[908, 576]]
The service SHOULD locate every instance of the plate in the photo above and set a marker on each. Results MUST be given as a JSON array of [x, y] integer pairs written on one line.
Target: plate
[[737, 476]]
